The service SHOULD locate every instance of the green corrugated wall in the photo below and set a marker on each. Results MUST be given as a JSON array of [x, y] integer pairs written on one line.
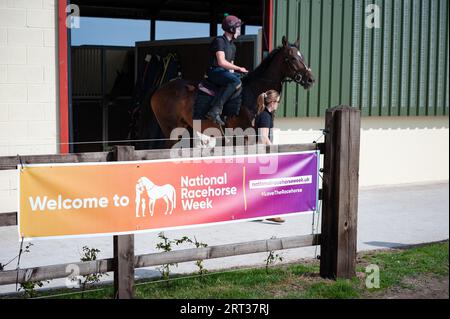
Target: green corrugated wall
[[399, 69]]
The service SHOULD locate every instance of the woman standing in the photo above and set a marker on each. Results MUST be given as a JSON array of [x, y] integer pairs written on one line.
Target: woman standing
[[267, 104]]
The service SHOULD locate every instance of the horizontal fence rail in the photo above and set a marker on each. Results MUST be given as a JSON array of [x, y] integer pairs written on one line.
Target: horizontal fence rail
[[8, 219], [11, 162], [155, 259]]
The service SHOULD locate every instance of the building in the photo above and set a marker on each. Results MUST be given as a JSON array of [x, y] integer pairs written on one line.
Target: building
[[395, 69]]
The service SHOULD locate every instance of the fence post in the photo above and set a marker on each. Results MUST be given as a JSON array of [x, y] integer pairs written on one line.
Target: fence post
[[340, 193], [123, 245]]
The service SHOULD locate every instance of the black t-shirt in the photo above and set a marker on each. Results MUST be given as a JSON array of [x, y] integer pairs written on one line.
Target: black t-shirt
[[264, 120], [222, 44]]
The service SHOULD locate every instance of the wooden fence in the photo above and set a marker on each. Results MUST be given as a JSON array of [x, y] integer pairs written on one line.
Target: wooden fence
[[339, 214]]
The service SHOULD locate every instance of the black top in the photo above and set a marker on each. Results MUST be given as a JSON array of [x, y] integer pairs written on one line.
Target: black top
[[222, 44], [264, 120]]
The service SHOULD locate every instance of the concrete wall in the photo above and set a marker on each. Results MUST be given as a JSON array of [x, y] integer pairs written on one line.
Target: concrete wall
[[394, 150], [28, 85]]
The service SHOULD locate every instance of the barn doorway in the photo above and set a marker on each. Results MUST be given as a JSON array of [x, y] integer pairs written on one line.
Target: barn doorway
[[109, 90]]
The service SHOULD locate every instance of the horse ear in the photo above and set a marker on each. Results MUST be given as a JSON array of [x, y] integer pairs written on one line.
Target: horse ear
[[285, 41], [297, 43]]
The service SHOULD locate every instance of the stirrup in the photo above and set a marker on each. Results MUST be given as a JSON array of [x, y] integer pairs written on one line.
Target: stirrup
[[215, 118]]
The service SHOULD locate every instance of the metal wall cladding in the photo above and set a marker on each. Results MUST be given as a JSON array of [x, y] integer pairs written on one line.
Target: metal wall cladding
[[398, 69], [100, 71], [87, 68]]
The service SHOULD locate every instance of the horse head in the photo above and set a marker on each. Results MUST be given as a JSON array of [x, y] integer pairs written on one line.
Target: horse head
[[283, 63], [294, 66]]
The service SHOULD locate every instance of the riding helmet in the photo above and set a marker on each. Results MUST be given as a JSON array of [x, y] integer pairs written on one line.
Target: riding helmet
[[231, 23]]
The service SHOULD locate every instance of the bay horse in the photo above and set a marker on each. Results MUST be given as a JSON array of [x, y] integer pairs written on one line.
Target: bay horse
[[173, 103]]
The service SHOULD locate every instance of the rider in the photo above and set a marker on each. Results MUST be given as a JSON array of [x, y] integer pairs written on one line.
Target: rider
[[222, 68]]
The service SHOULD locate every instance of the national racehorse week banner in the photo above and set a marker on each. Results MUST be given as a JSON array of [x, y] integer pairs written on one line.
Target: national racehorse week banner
[[75, 200]]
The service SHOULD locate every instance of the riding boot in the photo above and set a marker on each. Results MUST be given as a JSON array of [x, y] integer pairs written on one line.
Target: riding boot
[[217, 108], [218, 103], [214, 115]]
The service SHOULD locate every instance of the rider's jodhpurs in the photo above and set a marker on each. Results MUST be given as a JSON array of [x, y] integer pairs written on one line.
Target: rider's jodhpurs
[[229, 83]]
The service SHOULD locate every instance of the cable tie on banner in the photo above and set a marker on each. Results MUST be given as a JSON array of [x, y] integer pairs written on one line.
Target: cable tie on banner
[[316, 141], [324, 132]]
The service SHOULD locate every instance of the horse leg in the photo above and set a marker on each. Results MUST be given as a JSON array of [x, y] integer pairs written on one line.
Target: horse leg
[[150, 203], [152, 206], [143, 207], [167, 205], [137, 201], [204, 141], [173, 200], [167, 130]]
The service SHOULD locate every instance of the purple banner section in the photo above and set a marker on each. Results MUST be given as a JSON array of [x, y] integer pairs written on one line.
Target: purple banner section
[[292, 187]]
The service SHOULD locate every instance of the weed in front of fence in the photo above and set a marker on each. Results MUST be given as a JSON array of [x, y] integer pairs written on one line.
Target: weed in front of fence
[[28, 287], [166, 246], [26, 250], [199, 263], [89, 254], [272, 258]]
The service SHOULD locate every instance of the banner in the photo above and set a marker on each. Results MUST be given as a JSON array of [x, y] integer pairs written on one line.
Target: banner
[[66, 200]]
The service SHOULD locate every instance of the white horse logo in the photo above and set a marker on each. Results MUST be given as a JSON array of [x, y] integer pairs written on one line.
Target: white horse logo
[[154, 192]]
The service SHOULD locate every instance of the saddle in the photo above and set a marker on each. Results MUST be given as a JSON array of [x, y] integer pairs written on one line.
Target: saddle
[[208, 91], [208, 87]]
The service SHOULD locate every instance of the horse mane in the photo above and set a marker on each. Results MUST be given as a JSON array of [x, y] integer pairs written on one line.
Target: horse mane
[[248, 98], [262, 67]]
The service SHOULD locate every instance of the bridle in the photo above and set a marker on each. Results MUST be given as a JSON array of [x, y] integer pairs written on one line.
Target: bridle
[[298, 77]]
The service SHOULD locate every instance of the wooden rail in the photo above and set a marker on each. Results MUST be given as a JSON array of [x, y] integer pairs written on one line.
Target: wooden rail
[[155, 259], [8, 219], [11, 162]]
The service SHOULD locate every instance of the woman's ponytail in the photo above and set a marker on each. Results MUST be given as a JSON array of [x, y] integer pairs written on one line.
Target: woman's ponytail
[[265, 98], [261, 103]]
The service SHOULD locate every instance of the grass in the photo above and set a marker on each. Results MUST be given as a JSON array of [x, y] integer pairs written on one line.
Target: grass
[[293, 281], [394, 267]]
